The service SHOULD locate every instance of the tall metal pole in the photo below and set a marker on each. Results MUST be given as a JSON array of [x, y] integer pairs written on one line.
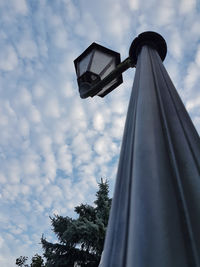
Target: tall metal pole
[[155, 214]]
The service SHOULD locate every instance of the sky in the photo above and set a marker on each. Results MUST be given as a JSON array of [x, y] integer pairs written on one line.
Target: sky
[[54, 146]]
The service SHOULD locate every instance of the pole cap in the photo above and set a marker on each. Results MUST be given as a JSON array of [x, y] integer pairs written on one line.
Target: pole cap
[[151, 39]]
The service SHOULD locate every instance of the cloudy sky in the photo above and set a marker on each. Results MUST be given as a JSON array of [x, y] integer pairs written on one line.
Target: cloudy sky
[[54, 146]]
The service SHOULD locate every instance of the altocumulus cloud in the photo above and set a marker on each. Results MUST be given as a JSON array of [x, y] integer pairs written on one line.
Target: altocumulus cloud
[[55, 147]]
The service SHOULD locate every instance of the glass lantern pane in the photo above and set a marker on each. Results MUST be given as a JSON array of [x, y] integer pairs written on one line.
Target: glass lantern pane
[[108, 69], [107, 86], [100, 61], [83, 64]]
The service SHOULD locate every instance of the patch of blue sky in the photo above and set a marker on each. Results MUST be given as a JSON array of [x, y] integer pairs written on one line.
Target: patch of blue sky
[[54, 146]]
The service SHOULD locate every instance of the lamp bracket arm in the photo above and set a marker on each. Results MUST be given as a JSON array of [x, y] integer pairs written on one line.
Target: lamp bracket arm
[[123, 66]]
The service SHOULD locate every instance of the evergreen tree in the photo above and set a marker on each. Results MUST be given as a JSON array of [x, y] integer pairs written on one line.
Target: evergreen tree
[[80, 240]]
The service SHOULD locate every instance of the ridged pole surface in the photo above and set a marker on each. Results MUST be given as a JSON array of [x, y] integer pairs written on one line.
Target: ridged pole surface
[[155, 214]]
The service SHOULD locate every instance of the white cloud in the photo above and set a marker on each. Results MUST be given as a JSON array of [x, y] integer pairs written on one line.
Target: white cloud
[[8, 58], [52, 108], [25, 190], [3, 120], [68, 89], [80, 145], [20, 6], [102, 145], [30, 164], [193, 103], [192, 76], [71, 10], [117, 127], [197, 58], [165, 15], [34, 114], [1, 242], [88, 27], [24, 127], [187, 6], [195, 31], [98, 122], [24, 97], [64, 159], [176, 44], [133, 4], [13, 170], [38, 91], [27, 48], [49, 167], [120, 21], [11, 192], [2, 179], [61, 40], [45, 143], [119, 107]]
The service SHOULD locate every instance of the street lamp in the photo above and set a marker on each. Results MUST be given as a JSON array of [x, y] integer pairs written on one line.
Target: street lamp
[[99, 69], [155, 214]]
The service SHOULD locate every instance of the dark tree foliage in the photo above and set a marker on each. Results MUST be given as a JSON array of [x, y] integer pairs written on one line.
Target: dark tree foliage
[[21, 261], [80, 240], [37, 261]]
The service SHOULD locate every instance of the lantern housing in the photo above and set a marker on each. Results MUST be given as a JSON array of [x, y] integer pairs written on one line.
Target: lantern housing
[[92, 66]]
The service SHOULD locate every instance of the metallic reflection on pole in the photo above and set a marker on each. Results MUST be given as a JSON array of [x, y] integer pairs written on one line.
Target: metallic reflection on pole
[[155, 215]]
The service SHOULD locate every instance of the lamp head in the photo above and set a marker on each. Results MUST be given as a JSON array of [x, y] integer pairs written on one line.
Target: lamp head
[[92, 66]]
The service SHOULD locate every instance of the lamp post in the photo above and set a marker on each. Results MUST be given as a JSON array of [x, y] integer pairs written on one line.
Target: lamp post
[[155, 215]]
